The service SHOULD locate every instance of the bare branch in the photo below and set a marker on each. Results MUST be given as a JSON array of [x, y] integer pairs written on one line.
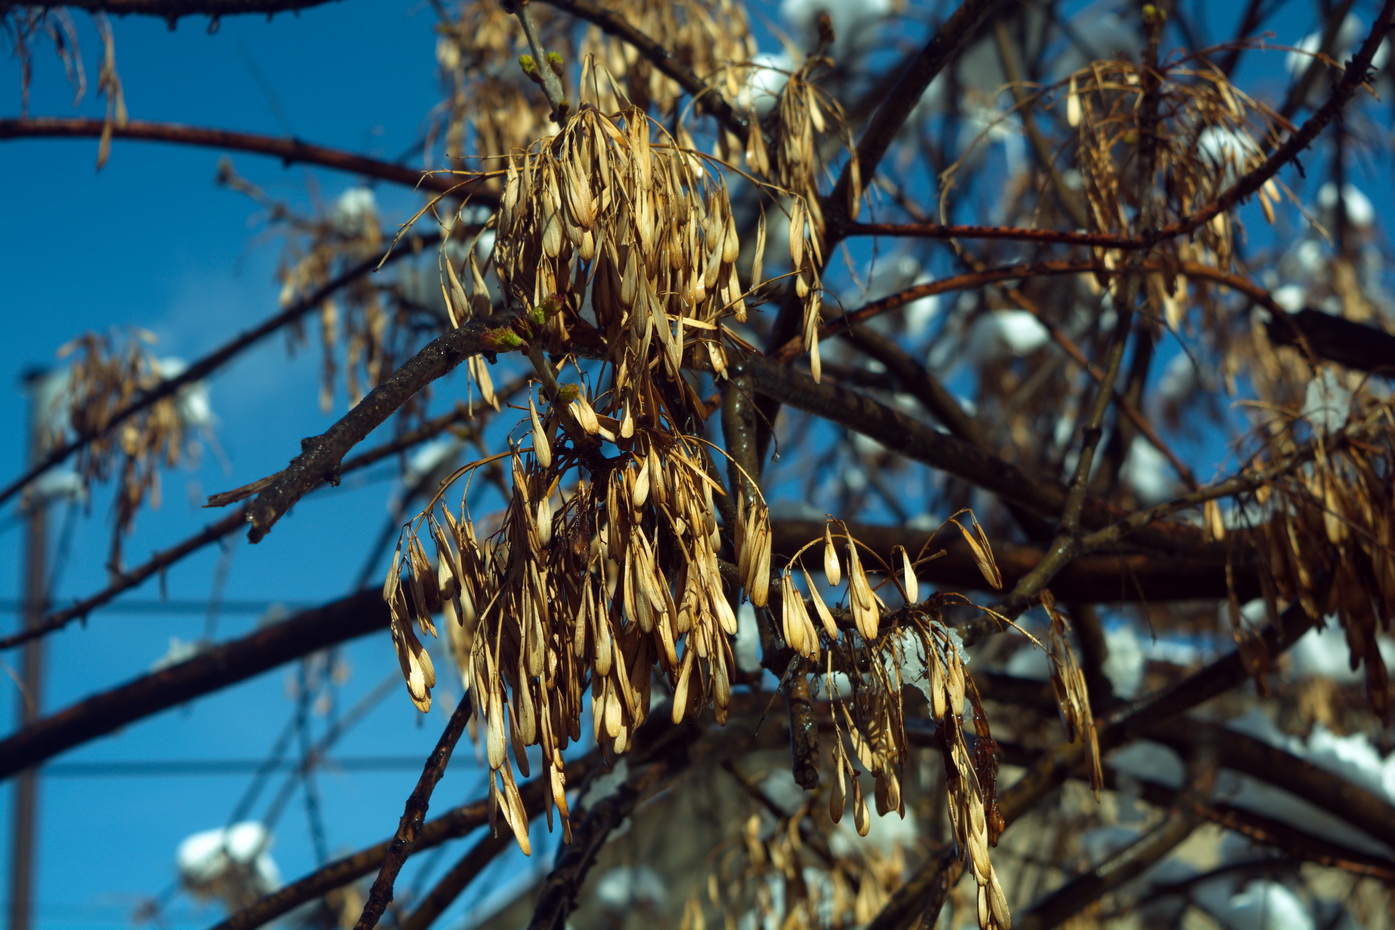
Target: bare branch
[[322, 454], [414, 815], [172, 10], [209, 671], [206, 366], [706, 98], [290, 151]]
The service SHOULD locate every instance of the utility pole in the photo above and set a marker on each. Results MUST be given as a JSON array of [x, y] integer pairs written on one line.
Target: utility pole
[[23, 850]]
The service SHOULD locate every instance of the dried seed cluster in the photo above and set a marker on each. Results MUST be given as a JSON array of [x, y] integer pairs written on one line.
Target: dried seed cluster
[[705, 37], [1208, 135], [104, 378], [1329, 542], [868, 656], [588, 591]]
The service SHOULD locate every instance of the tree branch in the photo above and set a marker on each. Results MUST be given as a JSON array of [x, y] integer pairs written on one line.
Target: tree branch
[[414, 816], [456, 823], [887, 121], [1129, 577], [1125, 723], [206, 366], [290, 151], [706, 98], [914, 440], [172, 10], [209, 671], [322, 454]]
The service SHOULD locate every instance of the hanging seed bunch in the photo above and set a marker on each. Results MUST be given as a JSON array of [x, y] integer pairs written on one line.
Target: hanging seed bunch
[[796, 871], [489, 106], [1329, 541], [1208, 135], [103, 378], [810, 128], [588, 592], [705, 37], [594, 583], [638, 241], [868, 655], [355, 326]]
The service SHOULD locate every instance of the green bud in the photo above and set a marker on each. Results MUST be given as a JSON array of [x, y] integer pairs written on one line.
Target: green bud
[[501, 339], [554, 61], [566, 393]]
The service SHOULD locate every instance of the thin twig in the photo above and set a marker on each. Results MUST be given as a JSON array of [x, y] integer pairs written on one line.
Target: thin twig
[[706, 98], [205, 366], [209, 671], [290, 151], [542, 62], [456, 823], [1125, 723], [230, 524], [320, 460], [414, 816]]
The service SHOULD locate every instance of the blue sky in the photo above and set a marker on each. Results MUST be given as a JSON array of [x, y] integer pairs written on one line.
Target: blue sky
[[150, 240]]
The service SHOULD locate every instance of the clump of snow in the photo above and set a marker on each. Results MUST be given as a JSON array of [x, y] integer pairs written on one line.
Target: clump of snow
[[231, 864], [1029, 662], [766, 79], [605, 784], [179, 651], [1291, 297], [1360, 213], [625, 887], [1262, 905], [1230, 153], [855, 25], [191, 400], [1327, 402], [1349, 36], [1147, 472], [747, 646], [1126, 663], [1323, 652], [355, 213]]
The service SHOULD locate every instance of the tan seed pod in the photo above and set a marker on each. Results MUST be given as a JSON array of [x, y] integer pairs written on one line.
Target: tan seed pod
[[825, 615], [908, 577], [542, 447], [832, 568]]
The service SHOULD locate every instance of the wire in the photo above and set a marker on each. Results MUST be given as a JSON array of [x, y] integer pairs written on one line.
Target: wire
[[182, 767]]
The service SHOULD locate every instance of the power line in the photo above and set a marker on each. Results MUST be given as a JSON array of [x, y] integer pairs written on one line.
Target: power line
[[175, 606], [180, 767]]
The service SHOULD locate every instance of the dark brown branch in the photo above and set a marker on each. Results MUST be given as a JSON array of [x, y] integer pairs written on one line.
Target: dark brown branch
[[321, 455], [450, 886], [128, 580], [706, 98], [1097, 579], [228, 525], [1336, 339], [1125, 723], [456, 823], [205, 673], [1187, 813], [557, 897], [290, 151], [172, 10], [1357, 73], [914, 440], [1339, 797], [206, 366], [414, 816], [896, 108], [791, 348]]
